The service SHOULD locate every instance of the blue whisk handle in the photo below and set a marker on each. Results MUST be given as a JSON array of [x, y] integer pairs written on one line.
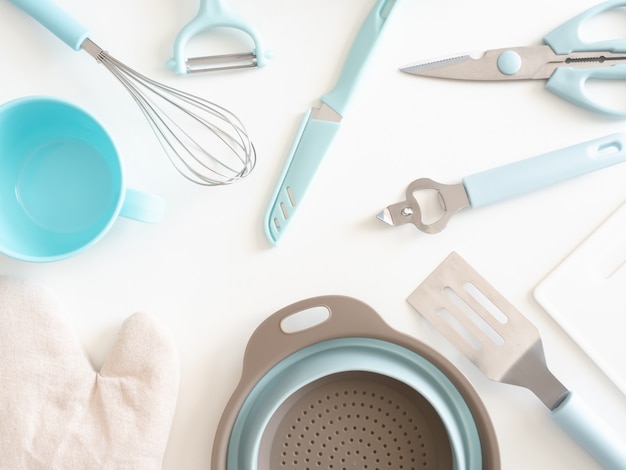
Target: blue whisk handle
[[48, 13]]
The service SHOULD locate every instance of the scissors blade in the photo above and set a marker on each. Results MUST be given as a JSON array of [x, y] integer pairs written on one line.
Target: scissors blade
[[535, 62]]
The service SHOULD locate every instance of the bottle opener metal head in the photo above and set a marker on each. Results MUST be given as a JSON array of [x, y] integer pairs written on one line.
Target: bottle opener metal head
[[451, 198], [503, 182]]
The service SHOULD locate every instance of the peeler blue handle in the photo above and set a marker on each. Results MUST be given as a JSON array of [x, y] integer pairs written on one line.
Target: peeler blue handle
[[363, 44], [55, 19], [538, 172]]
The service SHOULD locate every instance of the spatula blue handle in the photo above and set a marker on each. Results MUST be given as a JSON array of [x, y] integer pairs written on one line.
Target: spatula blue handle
[[534, 173], [582, 424], [48, 13]]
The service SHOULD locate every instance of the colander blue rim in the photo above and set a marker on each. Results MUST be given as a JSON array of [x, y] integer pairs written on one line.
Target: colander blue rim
[[353, 354]]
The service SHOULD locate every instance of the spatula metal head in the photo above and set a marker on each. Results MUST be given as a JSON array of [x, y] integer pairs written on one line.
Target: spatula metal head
[[486, 328]]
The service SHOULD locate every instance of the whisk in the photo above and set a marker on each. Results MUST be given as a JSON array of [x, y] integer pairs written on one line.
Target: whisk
[[205, 142]]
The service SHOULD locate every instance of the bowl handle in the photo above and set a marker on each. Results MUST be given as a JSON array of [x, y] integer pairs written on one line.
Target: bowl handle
[[270, 344], [346, 316]]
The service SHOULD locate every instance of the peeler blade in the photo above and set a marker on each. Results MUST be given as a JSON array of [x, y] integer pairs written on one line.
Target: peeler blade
[[216, 14], [213, 63]]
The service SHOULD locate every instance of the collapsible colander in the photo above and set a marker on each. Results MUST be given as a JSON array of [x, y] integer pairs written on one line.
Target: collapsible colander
[[348, 391]]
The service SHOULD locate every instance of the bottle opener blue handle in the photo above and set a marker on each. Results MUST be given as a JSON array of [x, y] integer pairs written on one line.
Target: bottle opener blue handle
[[505, 182], [538, 172]]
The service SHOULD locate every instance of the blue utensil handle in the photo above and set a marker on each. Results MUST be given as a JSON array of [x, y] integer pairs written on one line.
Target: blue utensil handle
[[566, 38], [586, 427], [310, 145], [363, 44], [65, 27], [538, 172], [569, 83]]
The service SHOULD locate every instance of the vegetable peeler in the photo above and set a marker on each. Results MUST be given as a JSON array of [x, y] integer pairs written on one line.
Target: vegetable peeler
[[216, 14], [505, 182]]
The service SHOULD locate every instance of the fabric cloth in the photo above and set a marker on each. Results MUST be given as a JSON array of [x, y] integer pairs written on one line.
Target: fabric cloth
[[57, 412]]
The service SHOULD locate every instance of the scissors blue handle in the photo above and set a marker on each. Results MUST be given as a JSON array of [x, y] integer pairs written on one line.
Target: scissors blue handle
[[566, 38], [569, 82]]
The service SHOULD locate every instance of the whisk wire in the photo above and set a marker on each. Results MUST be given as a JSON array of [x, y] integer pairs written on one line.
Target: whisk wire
[[186, 144]]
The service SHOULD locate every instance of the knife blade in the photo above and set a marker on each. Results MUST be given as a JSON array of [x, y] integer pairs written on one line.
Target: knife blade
[[319, 127]]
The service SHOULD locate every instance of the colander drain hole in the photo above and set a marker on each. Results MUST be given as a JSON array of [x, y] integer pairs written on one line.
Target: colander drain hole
[[357, 420]]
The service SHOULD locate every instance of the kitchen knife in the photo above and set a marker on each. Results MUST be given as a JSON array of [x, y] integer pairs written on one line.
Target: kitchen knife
[[319, 126]]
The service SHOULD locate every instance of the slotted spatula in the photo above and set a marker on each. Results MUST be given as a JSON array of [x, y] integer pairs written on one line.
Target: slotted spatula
[[507, 348]]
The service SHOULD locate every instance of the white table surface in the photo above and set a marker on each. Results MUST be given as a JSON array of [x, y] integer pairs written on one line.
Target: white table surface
[[207, 271]]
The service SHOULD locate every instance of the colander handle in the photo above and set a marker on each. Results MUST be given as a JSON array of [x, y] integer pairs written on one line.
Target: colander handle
[[48, 13], [347, 317]]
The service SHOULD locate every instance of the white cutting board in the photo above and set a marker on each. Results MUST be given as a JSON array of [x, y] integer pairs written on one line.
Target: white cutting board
[[586, 295]]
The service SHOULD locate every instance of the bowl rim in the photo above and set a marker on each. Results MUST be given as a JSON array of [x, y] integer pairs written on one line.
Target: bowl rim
[[266, 348], [341, 355]]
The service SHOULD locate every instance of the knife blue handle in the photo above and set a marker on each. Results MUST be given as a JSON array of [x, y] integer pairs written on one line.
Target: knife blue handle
[[363, 44], [538, 172], [48, 13], [586, 427]]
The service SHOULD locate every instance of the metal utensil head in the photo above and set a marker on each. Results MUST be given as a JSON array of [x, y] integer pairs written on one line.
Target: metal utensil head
[[510, 63], [216, 14], [513, 63], [206, 143], [450, 199], [486, 328]]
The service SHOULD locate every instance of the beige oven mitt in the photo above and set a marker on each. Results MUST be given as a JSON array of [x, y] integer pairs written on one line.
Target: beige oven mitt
[[57, 412]]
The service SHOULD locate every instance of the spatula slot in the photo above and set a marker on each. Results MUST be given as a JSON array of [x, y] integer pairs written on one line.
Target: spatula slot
[[483, 300], [475, 316], [460, 329]]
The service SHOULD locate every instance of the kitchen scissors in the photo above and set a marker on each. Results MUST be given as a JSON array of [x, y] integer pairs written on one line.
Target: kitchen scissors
[[565, 61]]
